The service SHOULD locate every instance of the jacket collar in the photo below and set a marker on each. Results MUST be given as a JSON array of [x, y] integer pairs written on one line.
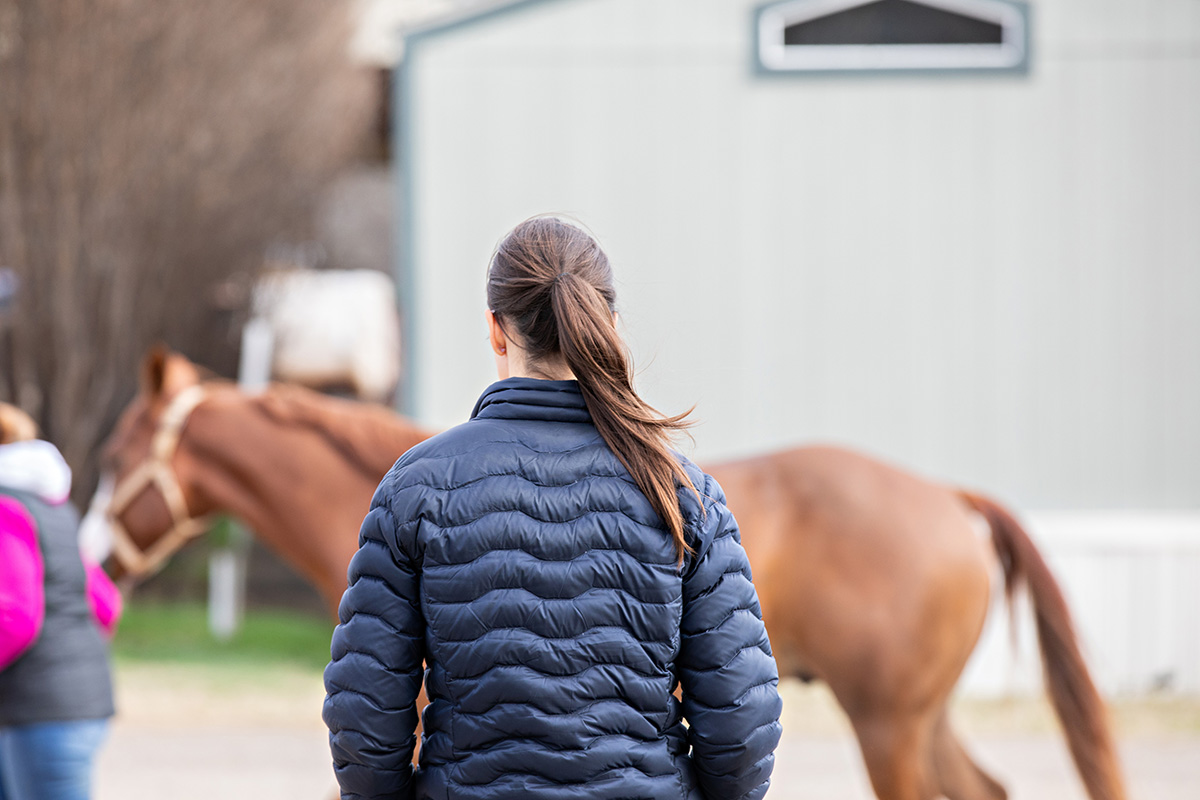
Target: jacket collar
[[531, 398]]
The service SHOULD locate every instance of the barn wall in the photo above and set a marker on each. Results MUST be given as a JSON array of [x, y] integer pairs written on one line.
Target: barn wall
[[994, 280]]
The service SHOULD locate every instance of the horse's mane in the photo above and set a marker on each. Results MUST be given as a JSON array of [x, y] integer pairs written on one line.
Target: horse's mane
[[370, 436]]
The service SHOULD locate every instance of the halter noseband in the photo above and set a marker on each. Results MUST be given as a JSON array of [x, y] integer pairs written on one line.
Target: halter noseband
[[156, 470]]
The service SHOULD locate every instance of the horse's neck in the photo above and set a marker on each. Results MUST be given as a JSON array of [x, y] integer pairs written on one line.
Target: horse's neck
[[302, 497]]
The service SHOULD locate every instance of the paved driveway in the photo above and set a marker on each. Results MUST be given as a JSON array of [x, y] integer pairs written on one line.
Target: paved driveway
[[282, 764], [200, 736]]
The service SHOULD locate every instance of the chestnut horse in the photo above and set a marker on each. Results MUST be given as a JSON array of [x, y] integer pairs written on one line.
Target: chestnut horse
[[872, 580]]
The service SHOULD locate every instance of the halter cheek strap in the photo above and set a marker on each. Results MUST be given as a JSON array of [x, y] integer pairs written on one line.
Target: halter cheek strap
[[157, 471]]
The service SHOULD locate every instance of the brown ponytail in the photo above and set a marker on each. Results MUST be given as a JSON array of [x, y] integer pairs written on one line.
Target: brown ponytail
[[553, 282]]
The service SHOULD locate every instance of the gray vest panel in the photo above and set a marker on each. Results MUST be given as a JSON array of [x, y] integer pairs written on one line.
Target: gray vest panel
[[65, 674]]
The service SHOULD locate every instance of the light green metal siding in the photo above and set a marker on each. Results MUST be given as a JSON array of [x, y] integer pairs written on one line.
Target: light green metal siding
[[994, 280]]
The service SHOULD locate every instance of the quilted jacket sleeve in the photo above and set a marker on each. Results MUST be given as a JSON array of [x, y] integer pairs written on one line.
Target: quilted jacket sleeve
[[726, 670], [375, 673]]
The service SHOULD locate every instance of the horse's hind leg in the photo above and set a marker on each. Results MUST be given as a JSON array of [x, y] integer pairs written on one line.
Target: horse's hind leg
[[896, 752], [958, 777]]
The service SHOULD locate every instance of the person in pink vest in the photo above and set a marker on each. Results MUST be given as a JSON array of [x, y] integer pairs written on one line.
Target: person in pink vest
[[56, 615]]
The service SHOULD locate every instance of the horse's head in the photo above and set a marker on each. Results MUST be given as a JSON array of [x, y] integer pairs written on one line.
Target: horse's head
[[144, 492]]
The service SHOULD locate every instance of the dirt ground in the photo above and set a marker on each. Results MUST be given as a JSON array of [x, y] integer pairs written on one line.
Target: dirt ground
[[199, 735]]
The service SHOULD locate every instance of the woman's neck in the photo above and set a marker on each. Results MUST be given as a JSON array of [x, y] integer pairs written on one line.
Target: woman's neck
[[546, 369]]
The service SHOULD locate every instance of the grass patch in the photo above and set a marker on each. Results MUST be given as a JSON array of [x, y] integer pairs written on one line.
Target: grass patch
[[178, 633]]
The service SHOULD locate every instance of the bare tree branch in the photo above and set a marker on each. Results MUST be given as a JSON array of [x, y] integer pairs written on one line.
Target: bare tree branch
[[150, 149]]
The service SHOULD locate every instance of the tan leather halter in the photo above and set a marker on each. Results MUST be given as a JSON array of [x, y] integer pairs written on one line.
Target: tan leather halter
[[156, 470]]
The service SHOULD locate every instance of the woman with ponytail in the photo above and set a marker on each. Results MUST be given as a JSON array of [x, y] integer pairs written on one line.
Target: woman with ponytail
[[575, 590]]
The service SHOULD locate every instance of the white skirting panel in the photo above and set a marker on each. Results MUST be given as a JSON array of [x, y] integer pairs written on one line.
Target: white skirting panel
[[1132, 581]]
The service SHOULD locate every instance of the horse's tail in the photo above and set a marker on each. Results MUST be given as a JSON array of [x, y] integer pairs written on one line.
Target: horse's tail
[[1074, 696]]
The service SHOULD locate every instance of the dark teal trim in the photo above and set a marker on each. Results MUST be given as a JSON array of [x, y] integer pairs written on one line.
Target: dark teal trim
[[467, 20], [404, 255], [760, 70], [402, 140]]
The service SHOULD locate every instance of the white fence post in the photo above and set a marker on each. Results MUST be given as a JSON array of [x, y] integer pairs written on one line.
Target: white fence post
[[227, 583]]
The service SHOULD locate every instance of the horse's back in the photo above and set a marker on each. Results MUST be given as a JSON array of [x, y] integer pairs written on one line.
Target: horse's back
[[848, 496], [861, 565]]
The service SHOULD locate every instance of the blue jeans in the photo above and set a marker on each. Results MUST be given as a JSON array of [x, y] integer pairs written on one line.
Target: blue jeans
[[49, 760]]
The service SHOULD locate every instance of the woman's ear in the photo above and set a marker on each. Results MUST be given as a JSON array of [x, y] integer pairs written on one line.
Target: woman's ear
[[496, 335], [499, 343]]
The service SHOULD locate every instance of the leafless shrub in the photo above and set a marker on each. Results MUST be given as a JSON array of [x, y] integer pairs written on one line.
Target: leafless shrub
[[150, 149]]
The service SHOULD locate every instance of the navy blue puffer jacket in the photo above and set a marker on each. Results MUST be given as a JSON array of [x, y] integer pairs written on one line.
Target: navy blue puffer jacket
[[518, 560]]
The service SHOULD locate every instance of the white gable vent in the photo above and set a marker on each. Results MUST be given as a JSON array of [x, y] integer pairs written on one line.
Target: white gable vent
[[834, 36]]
